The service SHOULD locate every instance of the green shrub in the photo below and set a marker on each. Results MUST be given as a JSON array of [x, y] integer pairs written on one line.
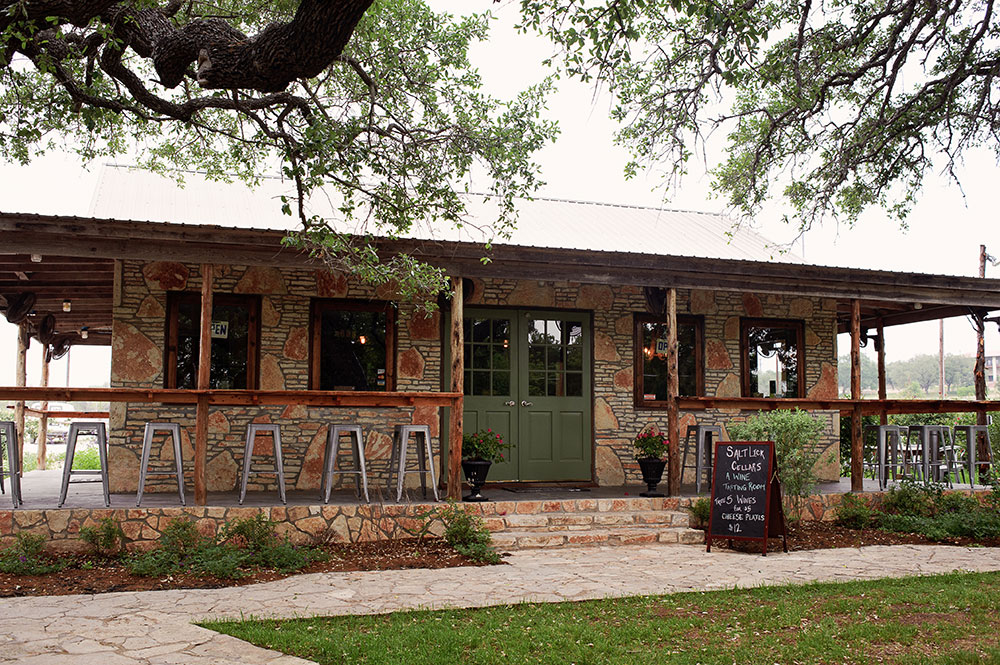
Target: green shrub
[[254, 533], [26, 557], [107, 538], [222, 561], [701, 510], [912, 498], [955, 502], [180, 536], [153, 563], [854, 512], [86, 459], [796, 436], [467, 534], [978, 525]]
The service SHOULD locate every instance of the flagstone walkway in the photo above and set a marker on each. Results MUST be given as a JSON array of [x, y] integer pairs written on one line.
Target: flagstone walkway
[[155, 627]]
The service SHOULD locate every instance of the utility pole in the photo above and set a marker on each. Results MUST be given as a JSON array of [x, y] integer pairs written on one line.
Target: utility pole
[[941, 359], [979, 374]]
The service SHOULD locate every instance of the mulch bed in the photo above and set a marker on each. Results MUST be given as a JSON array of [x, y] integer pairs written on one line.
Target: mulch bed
[[826, 535], [108, 575]]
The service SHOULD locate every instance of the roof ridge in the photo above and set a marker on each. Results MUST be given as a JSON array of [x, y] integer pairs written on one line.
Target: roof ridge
[[608, 204]]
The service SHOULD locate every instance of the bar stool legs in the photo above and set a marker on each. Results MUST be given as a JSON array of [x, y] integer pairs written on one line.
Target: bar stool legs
[[9, 431], [101, 433], [970, 433], [252, 430], [333, 451], [425, 465], [703, 451], [174, 430]]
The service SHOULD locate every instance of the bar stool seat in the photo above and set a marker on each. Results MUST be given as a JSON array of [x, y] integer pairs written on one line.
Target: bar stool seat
[[970, 432], [252, 430], [425, 464], [174, 430], [100, 432], [9, 431], [332, 453], [702, 452]]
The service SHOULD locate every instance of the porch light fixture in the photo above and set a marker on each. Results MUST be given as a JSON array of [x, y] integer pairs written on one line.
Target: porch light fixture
[[362, 339], [84, 333], [36, 258], [67, 305]]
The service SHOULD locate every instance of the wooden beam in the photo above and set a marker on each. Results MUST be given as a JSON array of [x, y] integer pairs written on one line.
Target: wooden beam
[[331, 398], [673, 416], [204, 377], [21, 379], [884, 417], [857, 449], [455, 424], [43, 420]]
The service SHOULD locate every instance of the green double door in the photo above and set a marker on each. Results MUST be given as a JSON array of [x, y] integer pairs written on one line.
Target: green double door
[[528, 377]]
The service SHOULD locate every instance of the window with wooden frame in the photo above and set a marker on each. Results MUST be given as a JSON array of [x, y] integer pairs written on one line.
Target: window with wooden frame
[[773, 358], [353, 345], [235, 341], [651, 358]]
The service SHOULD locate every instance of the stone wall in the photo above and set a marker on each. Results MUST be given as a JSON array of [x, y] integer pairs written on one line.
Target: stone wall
[[137, 362], [138, 341]]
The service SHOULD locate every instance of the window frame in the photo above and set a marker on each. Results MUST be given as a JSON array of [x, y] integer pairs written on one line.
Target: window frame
[[637, 362], [253, 305], [798, 325], [318, 305]]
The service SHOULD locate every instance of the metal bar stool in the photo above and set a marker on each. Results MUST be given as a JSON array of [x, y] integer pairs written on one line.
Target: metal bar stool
[[332, 453], [890, 438], [100, 432], [252, 430], [174, 430], [930, 455], [970, 433], [397, 463], [9, 431], [703, 452]]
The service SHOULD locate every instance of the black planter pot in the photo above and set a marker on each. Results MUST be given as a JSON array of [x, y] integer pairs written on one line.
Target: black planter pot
[[652, 473], [476, 471]]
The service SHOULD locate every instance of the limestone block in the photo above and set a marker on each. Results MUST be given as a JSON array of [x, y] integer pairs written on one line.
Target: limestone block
[[800, 308], [134, 357], [608, 467], [297, 344], [624, 379], [597, 297], [702, 302], [422, 326], [717, 355], [604, 348], [220, 473], [533, 293], [731, 329], [604, 417], [330, 284], [150, 308], [411, 364], [312, 462], [165, 275], [751, 305], [261, 279], [271, 376], [729, 386], [218, 422], [270, 316]]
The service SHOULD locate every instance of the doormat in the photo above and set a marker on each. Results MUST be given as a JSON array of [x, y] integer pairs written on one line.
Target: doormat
[[539, 490]]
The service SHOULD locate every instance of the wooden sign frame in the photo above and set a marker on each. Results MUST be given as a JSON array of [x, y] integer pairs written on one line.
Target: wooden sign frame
[[774, 515]]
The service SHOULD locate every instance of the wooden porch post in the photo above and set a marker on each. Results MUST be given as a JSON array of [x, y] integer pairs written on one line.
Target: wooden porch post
[[979, 374], [20, 380], [457, 338], [43, 420], [673, 417], [204, 374], [884, 418], [857, 451]]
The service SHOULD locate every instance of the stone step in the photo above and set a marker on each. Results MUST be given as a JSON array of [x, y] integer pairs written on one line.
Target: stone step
[[584, 521], [519, 539]]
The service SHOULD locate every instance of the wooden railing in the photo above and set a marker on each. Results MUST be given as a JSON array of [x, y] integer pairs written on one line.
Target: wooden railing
[[868, 406]]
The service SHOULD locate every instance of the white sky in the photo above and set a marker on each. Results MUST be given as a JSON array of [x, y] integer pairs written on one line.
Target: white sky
[[946, 228]]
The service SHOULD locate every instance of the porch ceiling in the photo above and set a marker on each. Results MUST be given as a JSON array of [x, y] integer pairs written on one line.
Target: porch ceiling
[[87, 246], [87, 283]]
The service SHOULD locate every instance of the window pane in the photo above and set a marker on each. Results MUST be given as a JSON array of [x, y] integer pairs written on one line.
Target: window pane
[[536, 384], [501, 384], [574, 358], [467, 384], [481, 356], [501, 332], [772, 361], [480, 383], [654, 360], [230, 344], [352, 350], [574, 384], [536, 358], [501, 357], [481, 331], [555, 355]]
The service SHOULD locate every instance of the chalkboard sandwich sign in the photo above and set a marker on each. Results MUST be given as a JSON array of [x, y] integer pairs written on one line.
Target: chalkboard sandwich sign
[[746, 494]]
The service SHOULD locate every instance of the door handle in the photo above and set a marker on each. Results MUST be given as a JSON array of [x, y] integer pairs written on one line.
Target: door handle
[[510, 403], [525, 403]]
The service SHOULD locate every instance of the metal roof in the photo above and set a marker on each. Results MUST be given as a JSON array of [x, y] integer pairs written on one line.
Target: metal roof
[[130, 193]]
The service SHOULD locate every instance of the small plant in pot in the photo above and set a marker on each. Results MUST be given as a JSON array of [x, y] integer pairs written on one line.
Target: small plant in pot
[[650, 450], [479, 451]]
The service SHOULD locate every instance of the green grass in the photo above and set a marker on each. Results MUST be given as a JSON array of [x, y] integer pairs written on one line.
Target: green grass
[[88, 458], [943, 619]]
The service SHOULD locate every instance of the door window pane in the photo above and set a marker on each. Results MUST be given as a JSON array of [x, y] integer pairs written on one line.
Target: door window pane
[[551, 343], [487, 351]]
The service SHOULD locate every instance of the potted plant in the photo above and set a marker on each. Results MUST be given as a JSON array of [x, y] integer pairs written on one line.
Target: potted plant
[[479, 451], [650, 449]]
